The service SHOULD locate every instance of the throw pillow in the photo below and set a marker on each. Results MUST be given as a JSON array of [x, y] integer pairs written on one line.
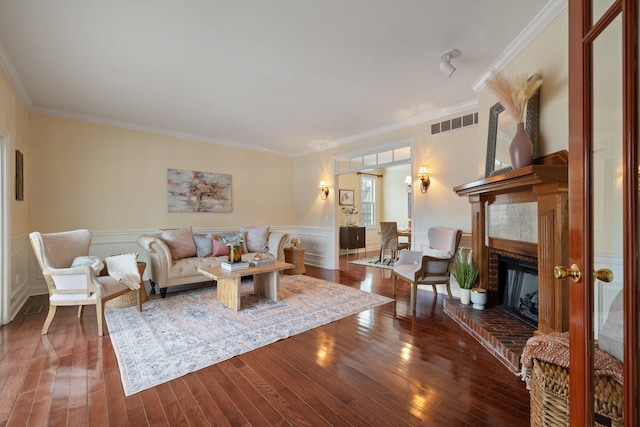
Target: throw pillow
[[256, 238], [437, 253], [219, 249], [180, 242], [204, 245]]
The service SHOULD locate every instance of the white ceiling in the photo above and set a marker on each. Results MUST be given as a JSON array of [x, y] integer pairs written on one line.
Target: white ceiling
[[288, 76]]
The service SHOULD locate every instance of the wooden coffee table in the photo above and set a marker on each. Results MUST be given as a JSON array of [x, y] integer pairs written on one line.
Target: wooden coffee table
[[266, 281]]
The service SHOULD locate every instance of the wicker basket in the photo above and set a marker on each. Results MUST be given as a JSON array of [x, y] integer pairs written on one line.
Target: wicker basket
[[295, 256], [129, 299], [550, 397]]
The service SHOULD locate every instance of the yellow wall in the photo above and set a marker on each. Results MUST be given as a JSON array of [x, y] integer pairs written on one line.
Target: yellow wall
[[14, 121], [112, 179], [454, 157]]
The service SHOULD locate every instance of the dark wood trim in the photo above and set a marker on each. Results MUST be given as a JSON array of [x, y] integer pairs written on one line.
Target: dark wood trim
[[545, 184]]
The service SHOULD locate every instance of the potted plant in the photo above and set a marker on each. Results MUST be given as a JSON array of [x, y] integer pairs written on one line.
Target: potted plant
[[349, 211], [466, 273]]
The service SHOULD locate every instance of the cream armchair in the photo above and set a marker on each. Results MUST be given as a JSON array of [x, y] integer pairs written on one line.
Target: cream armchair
[[430, 267], [70, 286]]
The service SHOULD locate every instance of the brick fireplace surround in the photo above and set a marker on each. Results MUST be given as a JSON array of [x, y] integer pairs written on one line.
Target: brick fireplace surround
[[532, 202]]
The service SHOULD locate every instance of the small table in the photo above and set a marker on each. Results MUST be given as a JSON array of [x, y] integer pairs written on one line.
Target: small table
[[295, 256], [266, 281], [130, 298]]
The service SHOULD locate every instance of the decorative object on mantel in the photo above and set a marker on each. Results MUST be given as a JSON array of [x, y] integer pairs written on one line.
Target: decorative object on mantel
[[349, 212], [466, 273], [479, 298], [517, 96]]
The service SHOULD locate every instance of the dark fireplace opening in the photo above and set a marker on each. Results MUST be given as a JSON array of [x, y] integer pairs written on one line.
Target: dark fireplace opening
[[518, 287]]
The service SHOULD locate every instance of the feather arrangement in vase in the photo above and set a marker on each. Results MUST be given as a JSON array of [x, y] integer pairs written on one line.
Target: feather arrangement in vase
[[514, 95]]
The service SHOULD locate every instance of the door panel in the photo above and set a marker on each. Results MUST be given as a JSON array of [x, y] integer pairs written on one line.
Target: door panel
[[603, 186]]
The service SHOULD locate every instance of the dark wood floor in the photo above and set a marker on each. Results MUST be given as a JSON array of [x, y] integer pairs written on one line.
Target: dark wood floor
[[381, 367]]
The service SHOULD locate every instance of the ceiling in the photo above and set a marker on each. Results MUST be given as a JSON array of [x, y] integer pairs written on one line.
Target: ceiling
[[286, 76]]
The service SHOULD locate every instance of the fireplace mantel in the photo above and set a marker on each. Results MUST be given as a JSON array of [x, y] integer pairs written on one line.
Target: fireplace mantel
[[546, 184]]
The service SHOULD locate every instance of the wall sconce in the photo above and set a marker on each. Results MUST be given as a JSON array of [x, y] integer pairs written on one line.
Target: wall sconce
[[324, 190], [408, 181], [424, 178]]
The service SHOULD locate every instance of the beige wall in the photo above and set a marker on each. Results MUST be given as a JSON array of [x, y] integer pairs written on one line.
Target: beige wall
[[112, 179], [454, 157], [14, 121]]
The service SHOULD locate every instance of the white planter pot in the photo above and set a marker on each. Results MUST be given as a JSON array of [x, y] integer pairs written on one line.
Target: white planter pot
[[479, 298], [465, 296]]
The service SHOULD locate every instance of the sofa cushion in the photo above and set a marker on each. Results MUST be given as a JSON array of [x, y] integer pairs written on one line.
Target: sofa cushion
[[180, 242], [204, 245], [256, 238], [219, 249]]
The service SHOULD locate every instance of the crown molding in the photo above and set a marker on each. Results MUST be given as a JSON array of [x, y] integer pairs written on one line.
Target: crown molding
[[157, 131], [412, 121], [530, 32], [11, 73]]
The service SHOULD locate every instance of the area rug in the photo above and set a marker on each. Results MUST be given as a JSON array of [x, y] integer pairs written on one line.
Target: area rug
[[373, 262], [190, 330]]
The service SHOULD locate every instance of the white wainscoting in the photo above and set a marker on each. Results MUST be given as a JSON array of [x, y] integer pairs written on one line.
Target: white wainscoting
[[319, 246]]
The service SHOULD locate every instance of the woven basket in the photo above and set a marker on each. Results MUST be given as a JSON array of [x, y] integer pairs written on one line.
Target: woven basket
[[295, 256], [129, 299], [550, 397]]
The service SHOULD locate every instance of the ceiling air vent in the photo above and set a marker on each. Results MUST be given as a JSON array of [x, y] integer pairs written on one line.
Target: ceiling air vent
[[454, 123]]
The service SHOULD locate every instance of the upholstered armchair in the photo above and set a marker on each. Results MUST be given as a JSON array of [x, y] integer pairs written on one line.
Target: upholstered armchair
[[430, 267], [72, 276]]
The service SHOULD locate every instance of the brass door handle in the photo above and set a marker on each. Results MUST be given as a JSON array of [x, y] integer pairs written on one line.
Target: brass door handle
[[604, 274], [573, 272]]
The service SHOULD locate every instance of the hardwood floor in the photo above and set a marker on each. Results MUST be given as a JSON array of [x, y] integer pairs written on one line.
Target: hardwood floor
[[380, 367]]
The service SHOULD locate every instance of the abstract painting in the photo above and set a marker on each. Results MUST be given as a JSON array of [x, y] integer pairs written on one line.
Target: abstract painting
[[192, 191]]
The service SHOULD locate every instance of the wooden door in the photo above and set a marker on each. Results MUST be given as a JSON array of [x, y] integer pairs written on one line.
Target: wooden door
[[603, 188]]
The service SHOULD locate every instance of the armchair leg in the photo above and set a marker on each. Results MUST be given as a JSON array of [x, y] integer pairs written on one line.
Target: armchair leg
[[435, 290], [99, 313], [47, 322], [80, 307], [449, 290], [414, 296], [395, 283]]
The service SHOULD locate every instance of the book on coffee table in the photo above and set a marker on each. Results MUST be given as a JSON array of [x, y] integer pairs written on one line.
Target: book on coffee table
[[257, 262], [234, 266]]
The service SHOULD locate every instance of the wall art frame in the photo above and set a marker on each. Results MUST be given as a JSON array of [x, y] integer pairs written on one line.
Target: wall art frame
[[346, 197], [194, 191], [19, 176], [495, 133]]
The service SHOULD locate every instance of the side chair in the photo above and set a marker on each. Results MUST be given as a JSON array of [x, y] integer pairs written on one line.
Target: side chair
[[389, 231], [430, 267], [74, 285]]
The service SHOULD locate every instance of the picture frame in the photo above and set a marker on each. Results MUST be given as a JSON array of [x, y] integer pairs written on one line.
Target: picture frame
[[19, 176], [346, 197], [501, 132]]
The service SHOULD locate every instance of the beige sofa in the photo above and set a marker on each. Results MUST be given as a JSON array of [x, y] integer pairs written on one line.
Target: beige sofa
[[175, 255]]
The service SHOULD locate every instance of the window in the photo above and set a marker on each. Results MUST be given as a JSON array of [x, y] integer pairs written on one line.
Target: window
[[367, 201]]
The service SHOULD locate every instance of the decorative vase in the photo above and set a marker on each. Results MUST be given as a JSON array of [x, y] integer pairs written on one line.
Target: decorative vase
[[349, 220], [465, 296], [521, 148], [479, 298], [234, 253]]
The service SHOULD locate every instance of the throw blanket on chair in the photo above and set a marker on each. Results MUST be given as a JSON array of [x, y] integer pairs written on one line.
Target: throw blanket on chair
[[124, 268]]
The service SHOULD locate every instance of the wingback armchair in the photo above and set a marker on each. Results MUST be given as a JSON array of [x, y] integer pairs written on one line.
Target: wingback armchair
[[430, 267], [74, 285]]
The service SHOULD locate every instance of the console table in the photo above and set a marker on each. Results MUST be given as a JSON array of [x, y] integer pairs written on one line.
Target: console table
[[352, 238]]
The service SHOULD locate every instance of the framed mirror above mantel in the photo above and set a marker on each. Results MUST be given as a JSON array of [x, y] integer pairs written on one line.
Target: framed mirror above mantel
[[524, 212]]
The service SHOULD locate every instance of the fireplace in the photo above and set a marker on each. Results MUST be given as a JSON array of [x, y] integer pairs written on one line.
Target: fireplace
[[537, 240], [518, 287]]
